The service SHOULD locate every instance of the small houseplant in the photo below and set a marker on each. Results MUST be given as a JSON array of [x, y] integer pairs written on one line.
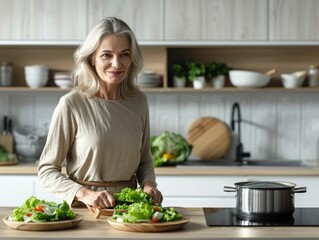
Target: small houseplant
[[179, 75], [216, 73], [196, 74]]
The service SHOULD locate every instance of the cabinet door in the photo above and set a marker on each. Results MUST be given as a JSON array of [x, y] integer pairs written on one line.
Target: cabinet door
[[145, 17], [197, 191], [294, 20], [43, 20], [15, 189], [207, 20]]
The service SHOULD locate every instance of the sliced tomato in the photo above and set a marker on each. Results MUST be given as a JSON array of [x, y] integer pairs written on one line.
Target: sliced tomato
[[157, 216], [156, 209], [29, 214], [154, 219], [39, 208]]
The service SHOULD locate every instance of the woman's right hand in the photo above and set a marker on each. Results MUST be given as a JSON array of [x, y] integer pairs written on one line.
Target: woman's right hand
[[99, 199]]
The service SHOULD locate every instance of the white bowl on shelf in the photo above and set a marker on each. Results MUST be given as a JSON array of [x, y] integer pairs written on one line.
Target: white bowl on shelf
[[244, 78], [293, 80], [36, 75], [64, 83]]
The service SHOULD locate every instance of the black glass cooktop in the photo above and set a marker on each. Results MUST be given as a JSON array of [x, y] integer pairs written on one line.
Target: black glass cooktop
[[227, 217]]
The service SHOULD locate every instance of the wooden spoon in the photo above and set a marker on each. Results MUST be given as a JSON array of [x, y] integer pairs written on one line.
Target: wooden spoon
[[271, 72]]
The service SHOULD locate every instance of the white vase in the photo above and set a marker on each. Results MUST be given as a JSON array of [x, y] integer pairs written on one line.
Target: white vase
[[218, 82], [179, 82], [199, 82]]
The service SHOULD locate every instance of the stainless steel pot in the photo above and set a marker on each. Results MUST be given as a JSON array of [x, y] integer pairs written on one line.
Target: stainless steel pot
[[260, 200]]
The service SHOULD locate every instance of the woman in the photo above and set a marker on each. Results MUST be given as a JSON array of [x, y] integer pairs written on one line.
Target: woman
[[101, 127]]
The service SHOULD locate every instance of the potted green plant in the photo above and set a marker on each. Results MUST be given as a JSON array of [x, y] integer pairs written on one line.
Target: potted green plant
[[179, 75], [196, 74], [216, 73]]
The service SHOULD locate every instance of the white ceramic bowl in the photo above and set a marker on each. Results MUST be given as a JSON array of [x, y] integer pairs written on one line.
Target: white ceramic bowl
[[64, 83], [62, 75], [36, 68], [292, 80], [244, 78], [29, 142], [37, 80], [29, 151]]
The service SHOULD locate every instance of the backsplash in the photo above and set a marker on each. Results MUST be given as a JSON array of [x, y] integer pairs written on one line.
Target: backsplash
[[278, 125]]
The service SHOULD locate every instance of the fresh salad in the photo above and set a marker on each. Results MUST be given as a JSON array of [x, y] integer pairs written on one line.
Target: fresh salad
[[36, 210], [144, 212], [141, 208]]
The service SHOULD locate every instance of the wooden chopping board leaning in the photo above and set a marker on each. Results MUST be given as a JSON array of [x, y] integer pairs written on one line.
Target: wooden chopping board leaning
[[210, 138]]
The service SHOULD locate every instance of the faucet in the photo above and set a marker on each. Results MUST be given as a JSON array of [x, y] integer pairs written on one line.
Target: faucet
[[240, 154]]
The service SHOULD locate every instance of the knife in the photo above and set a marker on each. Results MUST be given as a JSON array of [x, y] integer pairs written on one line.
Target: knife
[[5, 125], [9, 126]]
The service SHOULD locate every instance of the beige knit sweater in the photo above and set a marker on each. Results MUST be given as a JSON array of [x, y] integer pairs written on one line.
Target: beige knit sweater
[[101, 140]]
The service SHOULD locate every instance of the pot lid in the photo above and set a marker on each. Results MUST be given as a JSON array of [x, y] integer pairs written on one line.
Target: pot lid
[[264, 185]]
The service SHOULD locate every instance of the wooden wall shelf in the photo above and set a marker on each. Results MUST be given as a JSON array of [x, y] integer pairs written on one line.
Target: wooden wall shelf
[[24, 89]]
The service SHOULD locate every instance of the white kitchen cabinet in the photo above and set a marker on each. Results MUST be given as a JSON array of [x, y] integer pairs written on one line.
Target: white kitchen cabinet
[[224, 20], [145, 17], [15, 189], [43, 20], [207, 191], [197, 191], [293, 20]]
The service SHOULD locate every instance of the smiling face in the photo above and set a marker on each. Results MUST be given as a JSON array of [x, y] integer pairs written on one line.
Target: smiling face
[[112, 60]]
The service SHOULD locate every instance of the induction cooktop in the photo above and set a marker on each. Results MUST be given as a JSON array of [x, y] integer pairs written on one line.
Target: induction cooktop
[[227, 217]]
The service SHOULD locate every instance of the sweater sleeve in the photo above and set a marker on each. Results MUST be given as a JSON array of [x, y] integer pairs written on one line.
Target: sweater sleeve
[[145, 172], [60, 137]]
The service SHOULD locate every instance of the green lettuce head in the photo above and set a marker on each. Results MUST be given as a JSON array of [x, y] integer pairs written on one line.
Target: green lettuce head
[[169, 149]]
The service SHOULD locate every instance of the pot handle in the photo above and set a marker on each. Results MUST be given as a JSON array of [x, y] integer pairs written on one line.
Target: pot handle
[[229, 189], [300, 190]]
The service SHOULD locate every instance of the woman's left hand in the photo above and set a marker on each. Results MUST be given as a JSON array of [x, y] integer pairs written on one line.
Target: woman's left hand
[[155, 194]]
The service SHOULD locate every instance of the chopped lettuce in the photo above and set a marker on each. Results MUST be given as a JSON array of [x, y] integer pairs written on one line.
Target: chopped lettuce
[[36, 210], [133, 195], [169, 149]]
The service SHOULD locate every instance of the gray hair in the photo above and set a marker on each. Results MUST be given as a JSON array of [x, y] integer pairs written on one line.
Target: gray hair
[[84, 74]]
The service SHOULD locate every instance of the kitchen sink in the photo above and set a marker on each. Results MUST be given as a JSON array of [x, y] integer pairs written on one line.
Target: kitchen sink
[[245, 163]]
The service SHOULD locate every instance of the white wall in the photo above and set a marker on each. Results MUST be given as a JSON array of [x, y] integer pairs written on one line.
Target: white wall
[[275, 125]]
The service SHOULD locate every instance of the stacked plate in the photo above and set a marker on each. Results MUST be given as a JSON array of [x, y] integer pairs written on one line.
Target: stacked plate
[[63, 80], [149, 79]]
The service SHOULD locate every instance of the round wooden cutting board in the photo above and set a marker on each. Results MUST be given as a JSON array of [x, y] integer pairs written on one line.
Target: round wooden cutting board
[[210, 138]]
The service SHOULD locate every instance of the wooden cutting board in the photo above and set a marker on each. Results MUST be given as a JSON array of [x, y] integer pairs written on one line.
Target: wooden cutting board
[[210, 138]]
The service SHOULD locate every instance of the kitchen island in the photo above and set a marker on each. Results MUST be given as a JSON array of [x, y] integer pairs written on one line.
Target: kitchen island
[[92, 228]]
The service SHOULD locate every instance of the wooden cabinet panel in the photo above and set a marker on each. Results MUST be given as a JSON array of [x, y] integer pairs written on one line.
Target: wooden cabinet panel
[[145, 17], [216, 20], [43, 20], [293, 20]]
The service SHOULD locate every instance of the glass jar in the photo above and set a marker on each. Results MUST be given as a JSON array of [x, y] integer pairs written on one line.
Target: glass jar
[[5, 73], [313, 76]]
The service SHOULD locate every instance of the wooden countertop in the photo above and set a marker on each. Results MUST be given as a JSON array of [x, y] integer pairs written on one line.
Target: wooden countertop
[[92, 228], [31, 169]]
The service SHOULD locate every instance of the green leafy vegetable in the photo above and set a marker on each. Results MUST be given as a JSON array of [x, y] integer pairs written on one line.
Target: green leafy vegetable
[[169, 149], [133, 195], [4, 154], [36, 210]]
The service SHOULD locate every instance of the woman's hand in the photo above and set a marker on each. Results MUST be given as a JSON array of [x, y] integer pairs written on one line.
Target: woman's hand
[[155, 194], [100, 199]]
